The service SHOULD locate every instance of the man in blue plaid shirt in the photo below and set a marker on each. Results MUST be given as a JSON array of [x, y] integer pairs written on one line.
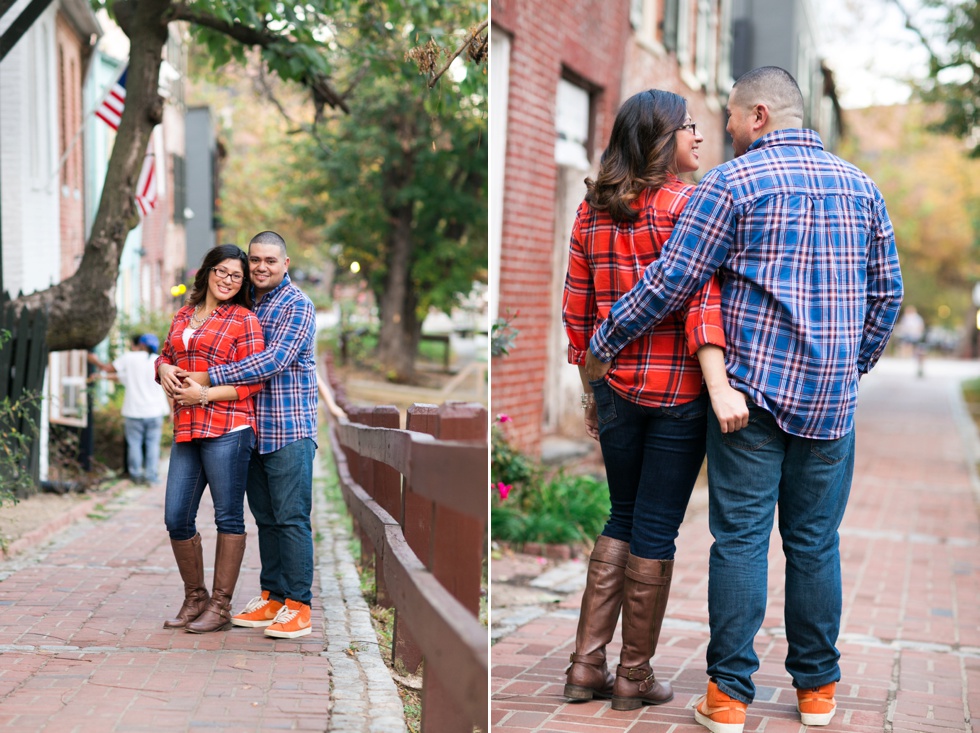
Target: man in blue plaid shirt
[[280, 475], [811, 288]]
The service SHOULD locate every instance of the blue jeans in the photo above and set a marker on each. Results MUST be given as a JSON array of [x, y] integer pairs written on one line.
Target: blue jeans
[[280, 496], [750, 473], [222, 464], [653, 456], [143, 447]]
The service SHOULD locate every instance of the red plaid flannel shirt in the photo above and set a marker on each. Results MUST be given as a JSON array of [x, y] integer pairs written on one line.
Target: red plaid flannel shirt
[[606, 259], [230, 334]]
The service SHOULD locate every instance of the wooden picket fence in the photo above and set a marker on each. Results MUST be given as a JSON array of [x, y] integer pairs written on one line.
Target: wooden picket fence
[[418, 498], [23, 361]]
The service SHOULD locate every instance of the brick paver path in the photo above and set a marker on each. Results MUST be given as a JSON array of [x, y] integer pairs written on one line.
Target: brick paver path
[[911, 560], [83, 650]]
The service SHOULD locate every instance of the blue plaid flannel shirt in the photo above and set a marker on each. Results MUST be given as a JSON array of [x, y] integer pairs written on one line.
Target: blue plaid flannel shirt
[[286, 409], [809, 273]]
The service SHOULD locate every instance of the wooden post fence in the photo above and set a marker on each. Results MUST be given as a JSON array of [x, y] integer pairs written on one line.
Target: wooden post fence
[[418, 498]]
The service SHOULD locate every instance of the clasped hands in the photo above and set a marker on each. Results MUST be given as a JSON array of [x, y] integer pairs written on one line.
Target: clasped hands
[[182, 386]]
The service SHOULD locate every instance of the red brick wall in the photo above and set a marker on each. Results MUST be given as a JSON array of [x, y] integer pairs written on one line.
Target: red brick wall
[[69, 177], [588, 39]]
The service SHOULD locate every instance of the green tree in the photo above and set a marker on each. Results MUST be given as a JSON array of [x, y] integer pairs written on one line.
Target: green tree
[[932, 192], [255, 189], [296, 41], [405, 177], [950, 32]]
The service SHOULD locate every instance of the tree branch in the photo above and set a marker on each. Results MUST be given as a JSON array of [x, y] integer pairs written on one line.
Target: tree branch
[[318, 83], [242, 33], [480, 51], [911, 25], [265, 90]]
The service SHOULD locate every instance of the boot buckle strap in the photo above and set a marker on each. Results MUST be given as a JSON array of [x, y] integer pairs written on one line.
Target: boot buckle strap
[[647, 684], [642, 674], [593, 659]]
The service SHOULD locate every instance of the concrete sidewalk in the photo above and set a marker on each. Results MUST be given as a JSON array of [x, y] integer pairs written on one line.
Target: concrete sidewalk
[[910, 639], [83, 649]]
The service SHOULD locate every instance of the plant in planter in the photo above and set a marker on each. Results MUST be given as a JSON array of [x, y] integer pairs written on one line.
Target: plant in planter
[[529, 506]]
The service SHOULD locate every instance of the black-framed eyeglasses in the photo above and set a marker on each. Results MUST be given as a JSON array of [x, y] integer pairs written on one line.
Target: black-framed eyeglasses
[[224, 274], [689, 126]]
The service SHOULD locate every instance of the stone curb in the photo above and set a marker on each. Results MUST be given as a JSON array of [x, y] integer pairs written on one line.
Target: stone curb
[[364, 695]]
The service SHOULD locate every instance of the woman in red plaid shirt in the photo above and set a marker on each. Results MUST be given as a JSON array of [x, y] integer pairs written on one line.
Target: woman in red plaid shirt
[[214, 433], [649, 413]]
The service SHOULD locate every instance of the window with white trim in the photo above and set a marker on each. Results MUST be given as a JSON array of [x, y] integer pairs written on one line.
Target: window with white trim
[[684, 34], [572, 113], [704, 41], [724, 78], [646, 21]]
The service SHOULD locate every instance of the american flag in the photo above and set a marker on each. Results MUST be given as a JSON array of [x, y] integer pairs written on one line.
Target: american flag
[[110, 112], [146, 186], [111, 109]]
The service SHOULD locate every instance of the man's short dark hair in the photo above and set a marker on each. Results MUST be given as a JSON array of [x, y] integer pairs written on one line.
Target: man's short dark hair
[[269, 238], [774, 86]]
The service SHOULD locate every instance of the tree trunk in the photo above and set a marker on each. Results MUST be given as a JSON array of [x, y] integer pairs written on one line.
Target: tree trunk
[[399, 338], [82, 309]]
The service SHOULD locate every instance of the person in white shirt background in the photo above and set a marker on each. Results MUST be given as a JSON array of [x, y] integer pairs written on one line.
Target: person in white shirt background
[[143, 408]]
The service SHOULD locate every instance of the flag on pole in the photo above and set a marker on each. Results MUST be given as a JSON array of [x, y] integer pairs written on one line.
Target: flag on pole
[[146, 186], [110, 112], [111, 109]]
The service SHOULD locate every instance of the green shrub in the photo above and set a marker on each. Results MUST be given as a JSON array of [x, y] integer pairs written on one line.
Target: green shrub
[[109, 440], [508, 466], [528, 506], [502, 336], [562, 510], [109, 428], [18, 430]]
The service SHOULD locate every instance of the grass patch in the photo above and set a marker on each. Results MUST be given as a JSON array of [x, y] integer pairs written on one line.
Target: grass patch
[[382, 619], [971, 395]]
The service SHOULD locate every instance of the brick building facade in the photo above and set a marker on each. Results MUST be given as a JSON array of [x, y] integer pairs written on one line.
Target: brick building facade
[[73, 52], [561, 71], [547, 44]]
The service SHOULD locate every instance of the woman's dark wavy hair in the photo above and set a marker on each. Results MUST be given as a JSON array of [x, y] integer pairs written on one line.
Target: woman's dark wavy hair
[[640, 153], [214, 257]]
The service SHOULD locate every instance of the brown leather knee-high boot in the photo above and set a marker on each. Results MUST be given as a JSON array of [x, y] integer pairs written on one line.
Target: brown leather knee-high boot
[[587, 676], [190, 563], [227, 563], [645, 594]]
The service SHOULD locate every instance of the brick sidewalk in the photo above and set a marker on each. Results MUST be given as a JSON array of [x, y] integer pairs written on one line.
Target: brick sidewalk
[[910, 639], [82, 647]]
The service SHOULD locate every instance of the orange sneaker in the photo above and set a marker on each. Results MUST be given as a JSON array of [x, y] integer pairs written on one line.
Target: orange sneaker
[[817, 705], [260, 611], [720, 713], [292, 620]]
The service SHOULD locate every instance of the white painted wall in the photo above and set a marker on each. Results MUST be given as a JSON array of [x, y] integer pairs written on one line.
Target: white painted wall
[[28, 176], [499, 87], [28, 160]]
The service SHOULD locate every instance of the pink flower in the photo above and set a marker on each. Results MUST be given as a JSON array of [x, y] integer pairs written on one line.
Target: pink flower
[[503, 489], [504, 418]]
